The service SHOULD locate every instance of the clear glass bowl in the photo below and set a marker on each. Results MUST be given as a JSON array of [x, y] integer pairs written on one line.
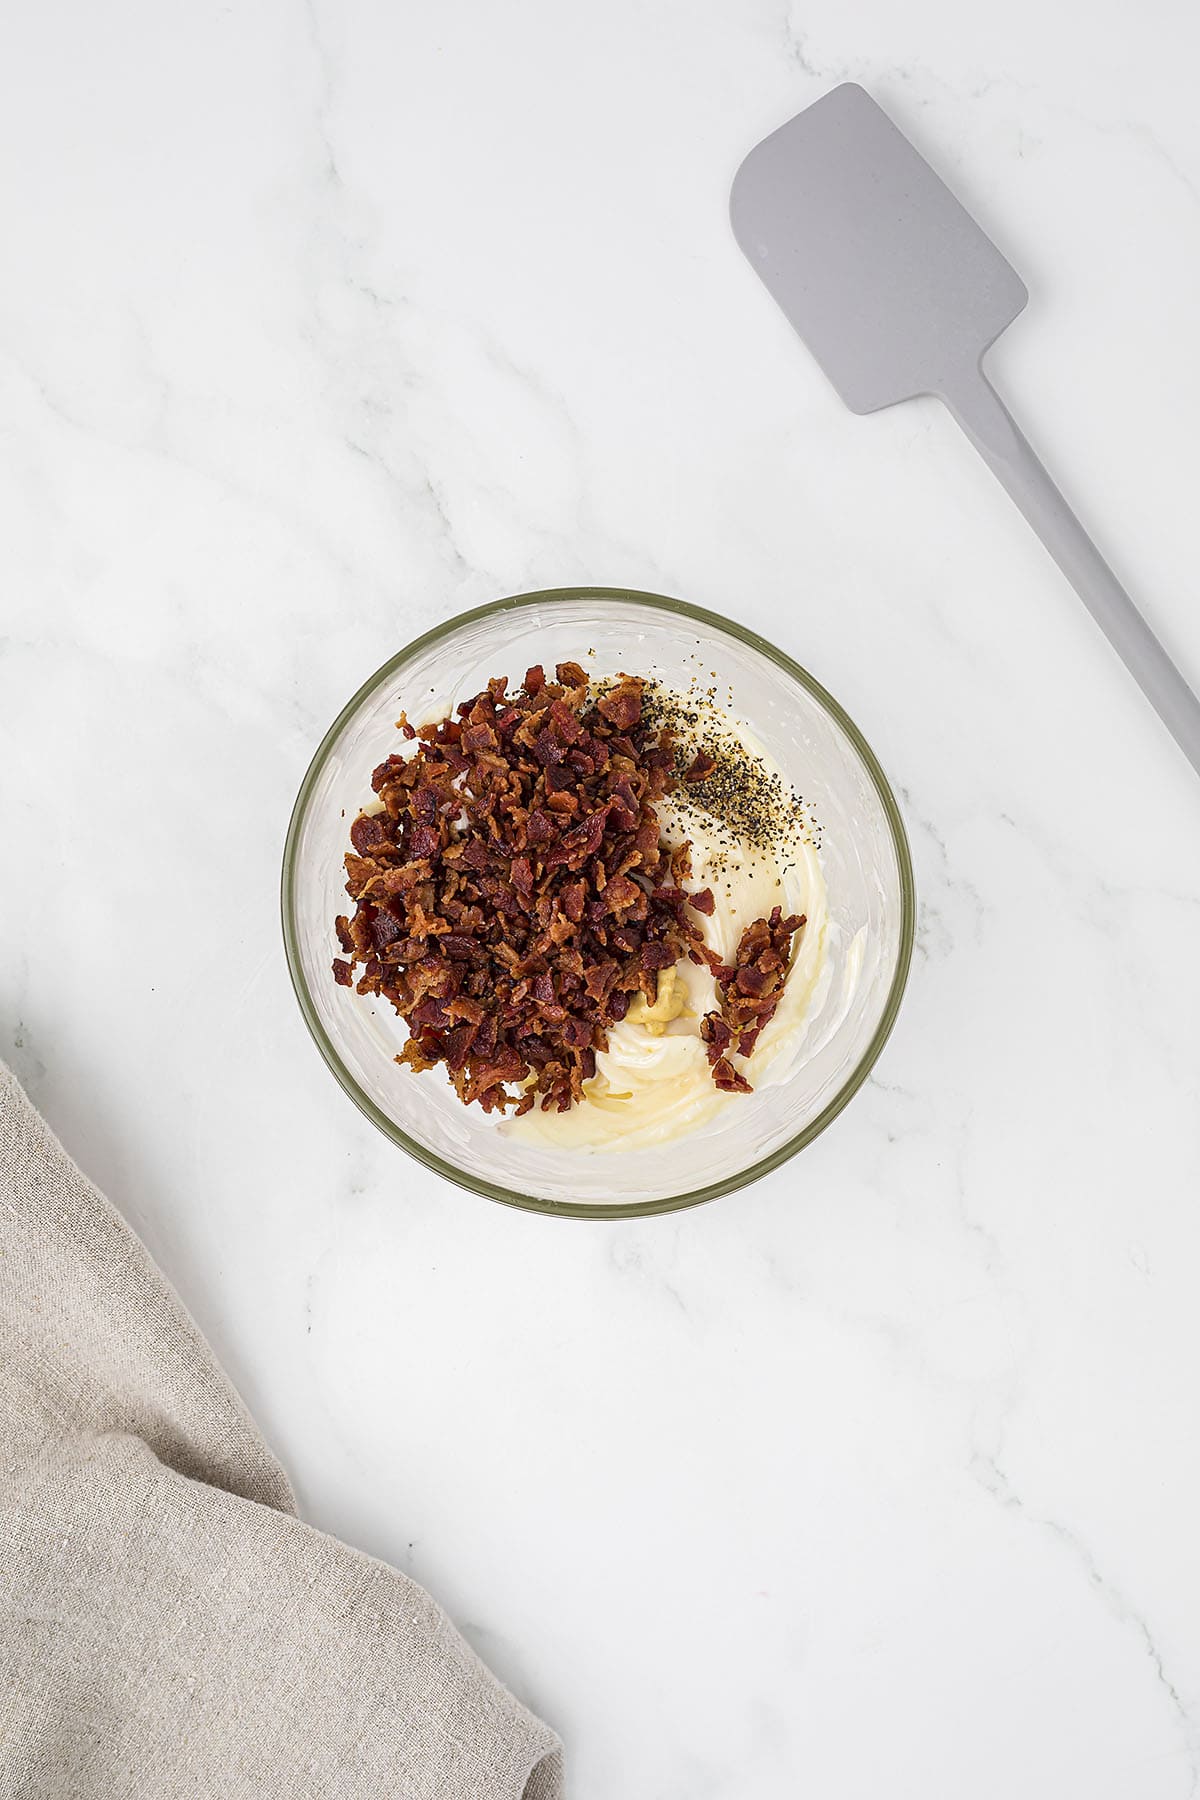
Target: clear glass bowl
[[868, 875]]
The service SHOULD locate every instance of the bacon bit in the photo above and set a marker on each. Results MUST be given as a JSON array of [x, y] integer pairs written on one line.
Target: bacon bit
[[681, 861], [727, 1078], [424, 805], [701, 767], [385, 929], [622, 705], [703, 901], [548, 749], [658, 956], [580, 842], [387, 883], [368, 833], [716, 1036], [424, 841], [621, 895], [359, 871], [343, 974], [458, 944], [563, 721]]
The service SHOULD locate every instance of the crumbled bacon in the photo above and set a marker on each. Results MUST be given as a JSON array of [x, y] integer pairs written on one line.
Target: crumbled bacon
[[749, 991], [512, 892], [700, 767]]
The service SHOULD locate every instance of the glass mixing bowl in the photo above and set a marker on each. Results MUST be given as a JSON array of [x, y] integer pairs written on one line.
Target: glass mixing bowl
[[868, 876]]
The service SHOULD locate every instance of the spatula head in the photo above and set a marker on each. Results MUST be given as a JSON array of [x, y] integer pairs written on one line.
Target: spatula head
[[891, 284]]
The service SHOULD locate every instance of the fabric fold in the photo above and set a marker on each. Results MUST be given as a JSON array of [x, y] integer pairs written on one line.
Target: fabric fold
[[168, 1626]]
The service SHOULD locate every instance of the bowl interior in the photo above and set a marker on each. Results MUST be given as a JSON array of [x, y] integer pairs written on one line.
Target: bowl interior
[[864, 854]]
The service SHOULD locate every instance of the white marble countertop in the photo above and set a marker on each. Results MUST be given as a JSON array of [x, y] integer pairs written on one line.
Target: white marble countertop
[[317, 325]]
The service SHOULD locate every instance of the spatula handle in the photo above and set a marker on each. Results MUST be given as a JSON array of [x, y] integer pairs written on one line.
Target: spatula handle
[[988, 423]]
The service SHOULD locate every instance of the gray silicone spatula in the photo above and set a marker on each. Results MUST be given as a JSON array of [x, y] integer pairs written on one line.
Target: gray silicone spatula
[[897, 292]]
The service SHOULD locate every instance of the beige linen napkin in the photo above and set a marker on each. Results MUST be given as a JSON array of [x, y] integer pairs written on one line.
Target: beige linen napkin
[[168, 1627]]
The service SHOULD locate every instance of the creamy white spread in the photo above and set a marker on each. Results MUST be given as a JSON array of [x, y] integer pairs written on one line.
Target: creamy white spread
[[654, 1084]]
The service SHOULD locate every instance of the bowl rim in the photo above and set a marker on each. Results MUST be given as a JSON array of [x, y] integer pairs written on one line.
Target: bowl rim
[[637, 1208]]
